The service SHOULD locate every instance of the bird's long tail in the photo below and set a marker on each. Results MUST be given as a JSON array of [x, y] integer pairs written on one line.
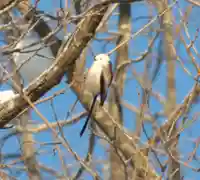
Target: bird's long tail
[[88, 117]]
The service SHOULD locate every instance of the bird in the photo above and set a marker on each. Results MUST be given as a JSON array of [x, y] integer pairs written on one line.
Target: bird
[[34, 57], [6, 95], [32, 60], [97, 82]]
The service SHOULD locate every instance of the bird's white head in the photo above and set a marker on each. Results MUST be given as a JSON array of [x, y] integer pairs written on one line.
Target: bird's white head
[[103, 58]]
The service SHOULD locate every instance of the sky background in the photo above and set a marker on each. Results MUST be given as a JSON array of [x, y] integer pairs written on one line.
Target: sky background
[[62, 103]]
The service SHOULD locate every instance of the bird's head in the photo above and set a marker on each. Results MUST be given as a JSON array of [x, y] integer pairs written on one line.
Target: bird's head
[[103, 58]]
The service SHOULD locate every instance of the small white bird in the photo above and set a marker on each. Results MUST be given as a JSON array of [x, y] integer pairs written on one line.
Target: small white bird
[[32, 60], [34, 57], [97, 82], [6, 95]]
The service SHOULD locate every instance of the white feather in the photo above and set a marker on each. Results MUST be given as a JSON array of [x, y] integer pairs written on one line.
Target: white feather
[[92, 83], [7, 95]]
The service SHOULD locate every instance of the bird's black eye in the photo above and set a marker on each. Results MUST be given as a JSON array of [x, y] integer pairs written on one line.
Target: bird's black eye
[[97, 59]]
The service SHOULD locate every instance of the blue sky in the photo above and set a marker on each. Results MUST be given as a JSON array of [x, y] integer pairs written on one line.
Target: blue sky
[[62, 104]]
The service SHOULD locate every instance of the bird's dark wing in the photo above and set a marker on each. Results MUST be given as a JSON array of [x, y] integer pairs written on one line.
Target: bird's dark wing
[[105, 82], [102, 89], [110, 76]]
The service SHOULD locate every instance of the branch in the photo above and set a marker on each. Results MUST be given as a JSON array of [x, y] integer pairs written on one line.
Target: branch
[[54, 74], [77, 42]]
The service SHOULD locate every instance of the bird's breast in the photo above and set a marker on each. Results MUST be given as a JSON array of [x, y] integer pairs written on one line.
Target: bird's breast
[[92, 83]]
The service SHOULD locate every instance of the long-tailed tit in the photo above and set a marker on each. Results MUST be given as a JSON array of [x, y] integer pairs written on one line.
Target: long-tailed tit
[[34, 56], [6, 95], [97, 82]]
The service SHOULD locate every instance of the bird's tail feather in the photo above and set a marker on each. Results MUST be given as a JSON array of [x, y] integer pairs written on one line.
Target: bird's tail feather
[[88, 117]]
